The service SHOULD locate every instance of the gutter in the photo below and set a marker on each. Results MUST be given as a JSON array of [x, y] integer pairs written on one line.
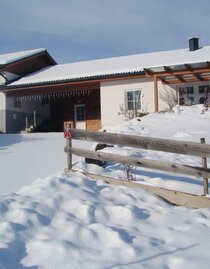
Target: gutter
[[72, 80]]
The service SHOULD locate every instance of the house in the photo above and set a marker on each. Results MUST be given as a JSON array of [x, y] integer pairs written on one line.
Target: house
[[92, 94], [13, 66]]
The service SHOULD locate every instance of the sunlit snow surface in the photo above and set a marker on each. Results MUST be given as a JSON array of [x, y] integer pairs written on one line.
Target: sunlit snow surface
[[60, 221]]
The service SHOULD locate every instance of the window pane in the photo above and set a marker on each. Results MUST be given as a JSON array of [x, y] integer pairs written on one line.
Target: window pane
[[80, 113], [133, 100], [204, 89], [130, 96], [130, 106]]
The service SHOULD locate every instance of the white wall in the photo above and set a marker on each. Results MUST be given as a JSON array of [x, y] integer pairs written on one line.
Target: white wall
[[2, 101], [2, 80], [113, 95], [2, 112]]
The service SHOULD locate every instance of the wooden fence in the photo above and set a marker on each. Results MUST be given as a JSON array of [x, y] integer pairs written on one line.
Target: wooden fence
[[201, 150]]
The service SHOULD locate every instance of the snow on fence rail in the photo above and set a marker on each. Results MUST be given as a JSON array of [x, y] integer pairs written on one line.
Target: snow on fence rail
[[166, 145]]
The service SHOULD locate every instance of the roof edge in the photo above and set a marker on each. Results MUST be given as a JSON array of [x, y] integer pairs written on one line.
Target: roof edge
[[80, 79], [30, 56]]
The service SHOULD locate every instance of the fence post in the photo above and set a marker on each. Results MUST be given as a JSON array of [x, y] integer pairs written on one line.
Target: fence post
[[204, 165], [69, 155], [68, 137]]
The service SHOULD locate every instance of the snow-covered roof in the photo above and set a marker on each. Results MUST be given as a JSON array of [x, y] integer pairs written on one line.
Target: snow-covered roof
[[13, 57], [114, 66]]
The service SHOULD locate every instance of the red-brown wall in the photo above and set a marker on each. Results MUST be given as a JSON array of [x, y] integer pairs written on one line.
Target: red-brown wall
[[29, 65], [62, 109]]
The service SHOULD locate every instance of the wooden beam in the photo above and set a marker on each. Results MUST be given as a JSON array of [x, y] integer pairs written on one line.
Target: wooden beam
[[168, 69], [174, 197], [198, 77], [156, 93], [182, 72], [140, 162], [180, 79], [149, 143], [148, 72], [191, 80], [188, 67], [163, 80]]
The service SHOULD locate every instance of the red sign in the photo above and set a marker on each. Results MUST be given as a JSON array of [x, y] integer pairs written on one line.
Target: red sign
[[67, 126], [67, 133]]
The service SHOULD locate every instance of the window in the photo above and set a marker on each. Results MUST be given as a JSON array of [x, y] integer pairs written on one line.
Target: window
[[204, 89], [186, 95], [186, 90], [80, 113], [133, 100]]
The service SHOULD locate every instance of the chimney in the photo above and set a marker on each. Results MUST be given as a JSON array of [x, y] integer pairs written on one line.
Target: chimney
[[193, 43]]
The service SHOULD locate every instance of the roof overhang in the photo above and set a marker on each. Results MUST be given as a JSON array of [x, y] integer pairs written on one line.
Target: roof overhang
[[73, 81], [182, 73]]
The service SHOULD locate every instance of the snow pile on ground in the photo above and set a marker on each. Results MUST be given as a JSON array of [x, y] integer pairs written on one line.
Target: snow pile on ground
[[70, 221], [73, 222]]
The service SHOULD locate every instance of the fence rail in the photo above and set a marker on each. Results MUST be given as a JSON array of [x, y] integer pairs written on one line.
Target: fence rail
[[166, 145], [149, 143]]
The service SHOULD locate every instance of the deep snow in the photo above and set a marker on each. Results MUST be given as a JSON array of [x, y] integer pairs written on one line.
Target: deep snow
[[70, 221]]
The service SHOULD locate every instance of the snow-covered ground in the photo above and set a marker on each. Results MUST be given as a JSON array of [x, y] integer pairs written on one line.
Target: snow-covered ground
[[52, 220]]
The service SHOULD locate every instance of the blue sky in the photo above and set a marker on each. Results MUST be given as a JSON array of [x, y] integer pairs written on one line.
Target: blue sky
[[78, 30]]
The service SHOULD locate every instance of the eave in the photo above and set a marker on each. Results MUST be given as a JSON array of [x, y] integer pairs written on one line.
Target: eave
[[22, 59], [73, 81]]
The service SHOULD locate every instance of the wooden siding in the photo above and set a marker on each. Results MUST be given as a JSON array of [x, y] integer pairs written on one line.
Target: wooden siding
[[62, 109], [29, 65]]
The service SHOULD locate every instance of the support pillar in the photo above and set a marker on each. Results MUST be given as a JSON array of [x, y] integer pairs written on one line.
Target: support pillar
[[156, 93]]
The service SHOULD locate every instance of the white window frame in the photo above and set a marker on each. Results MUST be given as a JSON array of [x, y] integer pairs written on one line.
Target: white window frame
[[135, 107]]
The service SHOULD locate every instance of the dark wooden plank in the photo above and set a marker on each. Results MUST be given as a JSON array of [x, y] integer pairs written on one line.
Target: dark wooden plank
[[175, 197], [148, 143]]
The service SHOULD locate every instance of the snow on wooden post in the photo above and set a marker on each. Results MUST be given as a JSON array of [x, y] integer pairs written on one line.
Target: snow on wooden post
[[67, 135], [204, 165]]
